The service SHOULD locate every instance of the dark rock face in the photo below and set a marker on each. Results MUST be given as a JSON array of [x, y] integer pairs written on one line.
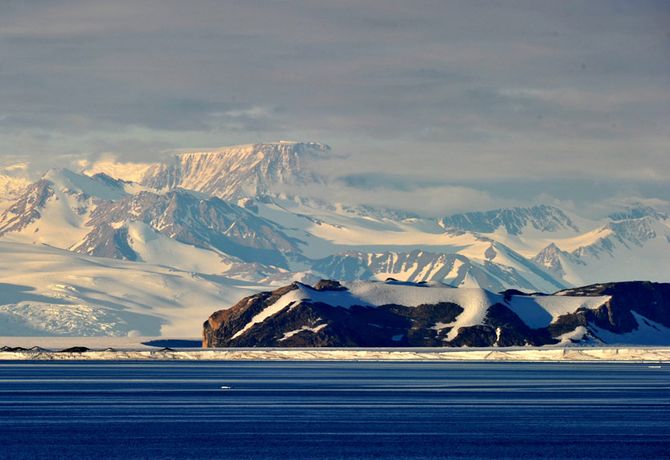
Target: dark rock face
[[223, 324], [75, 350], [306, 323], [107, 241], [13, 349], [503, 328], [358, 326], [651, 300], [329, 285], [27, 209], [361, 326]]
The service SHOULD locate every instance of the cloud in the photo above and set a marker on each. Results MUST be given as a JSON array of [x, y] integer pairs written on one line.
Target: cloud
[[429, 201], [433, 201], [441, 90]]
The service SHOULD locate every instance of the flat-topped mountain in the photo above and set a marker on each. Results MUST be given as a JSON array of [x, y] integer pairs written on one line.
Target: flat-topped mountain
[[397, 314], [239, 171]]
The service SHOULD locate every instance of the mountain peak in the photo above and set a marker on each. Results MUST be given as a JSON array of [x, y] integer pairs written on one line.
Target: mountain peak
[[550, 259], [53, 210], [266, 148], [241, 170], [71, 182], [12, 182], [635, 231], [637, 212]]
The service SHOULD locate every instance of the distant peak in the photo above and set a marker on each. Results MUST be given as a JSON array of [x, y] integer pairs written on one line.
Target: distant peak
[[514, 220], [637, 212], [278, 146], [551, 247], [239, 171], [97, 186], [58, 173]]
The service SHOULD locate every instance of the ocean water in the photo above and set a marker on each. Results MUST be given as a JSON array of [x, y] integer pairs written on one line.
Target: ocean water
[[333, 410]]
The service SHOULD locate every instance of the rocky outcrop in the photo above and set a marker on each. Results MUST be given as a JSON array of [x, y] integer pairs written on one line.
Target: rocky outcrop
[[107, 241], [647, 299], [299, 315], [317, 324]]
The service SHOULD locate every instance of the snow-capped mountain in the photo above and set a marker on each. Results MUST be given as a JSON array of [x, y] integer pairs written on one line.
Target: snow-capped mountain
[[239, 171], [633, 243], [626, 233], [203, 222], [224, 214], [557, 261], [13, 182], [514, 220], [635, 248], [345, 244], [637, 212], [54, 209], [105, 217], [392, 314], [452, 269]]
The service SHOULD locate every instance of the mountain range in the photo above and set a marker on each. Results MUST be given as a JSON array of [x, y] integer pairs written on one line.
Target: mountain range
[[211, 226]]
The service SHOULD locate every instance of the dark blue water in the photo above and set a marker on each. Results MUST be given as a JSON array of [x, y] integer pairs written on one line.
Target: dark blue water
[[333, 410]]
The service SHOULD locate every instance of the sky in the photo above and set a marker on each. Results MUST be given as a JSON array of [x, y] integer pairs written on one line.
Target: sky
[[494, 100]]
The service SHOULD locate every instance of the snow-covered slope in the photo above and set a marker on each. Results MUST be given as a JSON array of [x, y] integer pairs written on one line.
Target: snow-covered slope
[[633, 243], [105, 217], [48, 291], [636, 248], [54, 209], [151, 246], [452, 269], [203, 222], [348, 244]]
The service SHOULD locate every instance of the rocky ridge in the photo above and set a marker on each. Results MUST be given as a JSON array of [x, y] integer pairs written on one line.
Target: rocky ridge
[[331, 314]]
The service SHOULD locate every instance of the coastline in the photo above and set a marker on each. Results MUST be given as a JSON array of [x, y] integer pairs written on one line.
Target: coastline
[[568, 354]]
